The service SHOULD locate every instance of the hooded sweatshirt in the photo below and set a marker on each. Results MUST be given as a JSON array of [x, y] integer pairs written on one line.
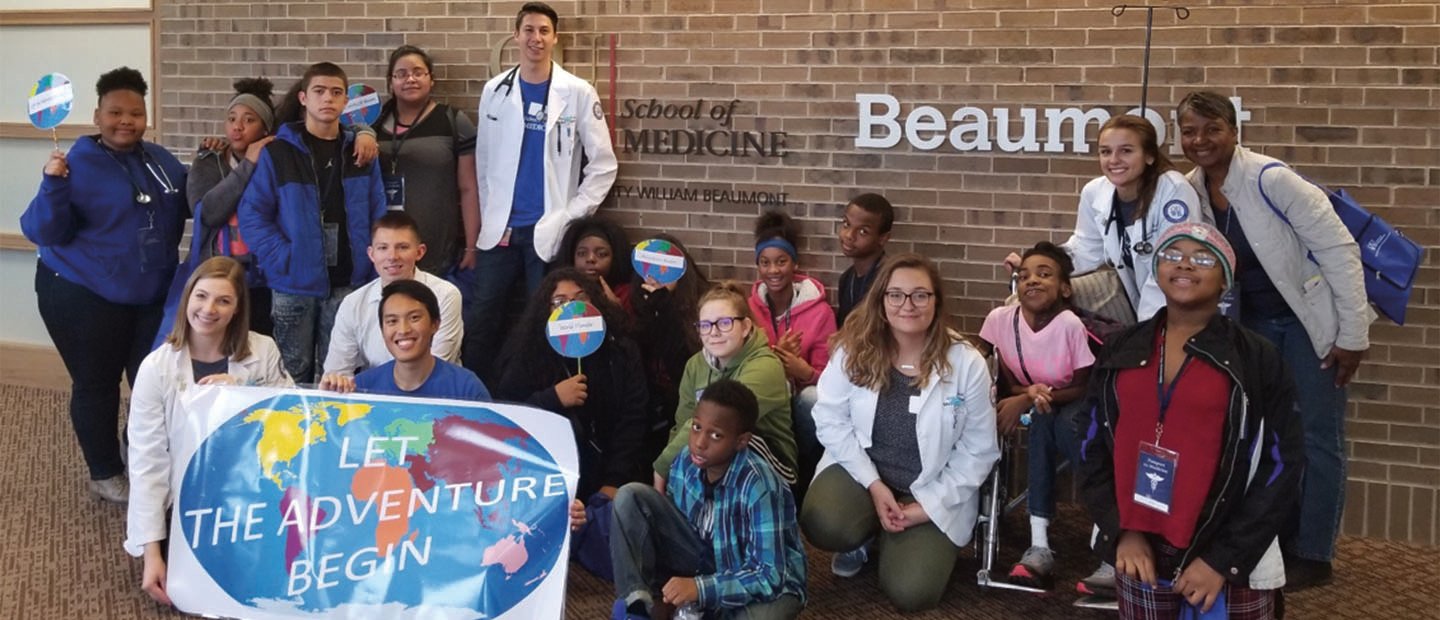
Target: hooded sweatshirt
[[758, 369], [809, 314]]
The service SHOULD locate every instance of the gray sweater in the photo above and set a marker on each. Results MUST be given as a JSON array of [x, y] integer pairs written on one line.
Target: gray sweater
[[215, 188]]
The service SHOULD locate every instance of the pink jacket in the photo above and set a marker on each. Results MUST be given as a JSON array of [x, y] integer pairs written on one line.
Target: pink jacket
[[809, 313]]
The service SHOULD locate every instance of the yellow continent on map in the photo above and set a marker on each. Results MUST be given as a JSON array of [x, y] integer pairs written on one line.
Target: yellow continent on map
[[284, 433]]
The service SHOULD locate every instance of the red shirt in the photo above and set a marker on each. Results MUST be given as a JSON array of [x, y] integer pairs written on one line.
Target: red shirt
[[1194, 427]]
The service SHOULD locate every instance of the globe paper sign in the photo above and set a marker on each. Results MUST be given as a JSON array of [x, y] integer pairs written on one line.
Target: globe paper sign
[[658, 259], [363, 105], [300, 504], [575, 329], [50, 100]]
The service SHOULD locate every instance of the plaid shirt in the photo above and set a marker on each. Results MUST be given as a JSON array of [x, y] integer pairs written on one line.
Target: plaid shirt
[[749, 519]]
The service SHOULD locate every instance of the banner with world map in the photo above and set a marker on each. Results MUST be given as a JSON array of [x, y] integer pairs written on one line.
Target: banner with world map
[[298, 503]]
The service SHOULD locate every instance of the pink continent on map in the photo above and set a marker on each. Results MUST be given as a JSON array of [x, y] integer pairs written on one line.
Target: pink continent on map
[[509, 552]]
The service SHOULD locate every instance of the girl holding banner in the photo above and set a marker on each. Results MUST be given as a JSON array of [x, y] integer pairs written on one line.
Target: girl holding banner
[[107, 219], [211, 344]]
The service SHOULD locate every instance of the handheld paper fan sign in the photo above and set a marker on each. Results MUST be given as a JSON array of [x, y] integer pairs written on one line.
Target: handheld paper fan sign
[[659, 259], [576, 330], [49, 103], [363, 106]]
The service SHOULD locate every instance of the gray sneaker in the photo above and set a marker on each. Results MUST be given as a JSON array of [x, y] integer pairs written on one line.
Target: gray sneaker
[[1034, 568], [850, 563], [113, 489], [1099, 583]]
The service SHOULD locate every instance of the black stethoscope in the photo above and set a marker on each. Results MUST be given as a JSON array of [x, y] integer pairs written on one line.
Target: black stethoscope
[[508, 82], [156, 170], [1143, 246]]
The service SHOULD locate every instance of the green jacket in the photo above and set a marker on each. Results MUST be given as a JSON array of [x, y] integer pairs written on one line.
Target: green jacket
[[759, 369]]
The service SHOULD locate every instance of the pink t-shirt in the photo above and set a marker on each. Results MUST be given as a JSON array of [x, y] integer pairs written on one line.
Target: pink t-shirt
[[1051, 356]]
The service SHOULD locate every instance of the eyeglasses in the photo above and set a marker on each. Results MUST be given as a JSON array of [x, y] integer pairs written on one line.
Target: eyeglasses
[[896, 298], [560, 300], [725, 324], [403, 75], [1202, 260]]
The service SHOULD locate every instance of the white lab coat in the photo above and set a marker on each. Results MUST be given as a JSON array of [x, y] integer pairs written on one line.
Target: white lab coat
[[357, 342], [159, 384], [1092, 245], [955, 425], [574, 118]]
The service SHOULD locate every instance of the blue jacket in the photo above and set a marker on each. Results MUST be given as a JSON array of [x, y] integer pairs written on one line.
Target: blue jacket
[[88, 225], [289, 242]]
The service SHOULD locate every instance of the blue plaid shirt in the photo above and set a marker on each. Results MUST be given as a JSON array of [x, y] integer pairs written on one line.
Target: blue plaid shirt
[[750, 521]]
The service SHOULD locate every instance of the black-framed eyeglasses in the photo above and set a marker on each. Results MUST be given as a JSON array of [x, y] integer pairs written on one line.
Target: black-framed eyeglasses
[[921, 298], [725, 324], [1202, 260], [403, 74]]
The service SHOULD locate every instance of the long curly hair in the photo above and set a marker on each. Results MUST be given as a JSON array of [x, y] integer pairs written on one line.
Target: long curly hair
[[686, 296], [1150, 142], [870, 348], [527, 344], [599, 226]]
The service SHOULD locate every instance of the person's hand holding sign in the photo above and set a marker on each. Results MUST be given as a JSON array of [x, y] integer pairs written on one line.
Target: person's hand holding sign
[[57, 166], [572, 392]]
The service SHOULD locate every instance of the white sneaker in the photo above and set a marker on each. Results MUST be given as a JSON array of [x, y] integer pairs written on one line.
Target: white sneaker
[[113, 489], [850, 563]]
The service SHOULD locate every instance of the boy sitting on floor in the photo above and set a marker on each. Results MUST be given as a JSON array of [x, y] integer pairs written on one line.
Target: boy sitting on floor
[[725, 540]]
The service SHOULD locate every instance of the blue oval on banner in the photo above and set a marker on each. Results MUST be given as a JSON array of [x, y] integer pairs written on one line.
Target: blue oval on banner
[[318, 506], [362, 107], [575, 329], [50, 99]]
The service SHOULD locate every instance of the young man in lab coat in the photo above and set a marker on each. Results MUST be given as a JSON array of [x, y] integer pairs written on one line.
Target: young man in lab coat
[[537, 125]]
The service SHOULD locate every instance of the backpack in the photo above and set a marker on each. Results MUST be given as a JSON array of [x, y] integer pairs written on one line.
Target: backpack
[[1388, 258]]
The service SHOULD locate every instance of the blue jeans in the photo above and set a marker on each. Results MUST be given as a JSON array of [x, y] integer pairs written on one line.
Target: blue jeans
[[302, 330], [651, 541], [1321, 409], [98, 340], [1052, 438], [491, 302]]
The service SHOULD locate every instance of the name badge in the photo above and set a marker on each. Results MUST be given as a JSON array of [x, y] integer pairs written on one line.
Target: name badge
[[1155, 477], [332, 244], [152, 250], [1230, 303], [915, 404], [395, 191]]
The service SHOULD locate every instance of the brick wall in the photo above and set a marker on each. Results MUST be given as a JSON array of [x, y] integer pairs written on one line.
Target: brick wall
[[1344, 90]]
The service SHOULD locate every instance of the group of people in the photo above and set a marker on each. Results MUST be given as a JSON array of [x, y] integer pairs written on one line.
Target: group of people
[[720, 424]]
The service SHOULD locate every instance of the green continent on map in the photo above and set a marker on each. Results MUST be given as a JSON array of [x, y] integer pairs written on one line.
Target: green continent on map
[[284, 433], [423, 431]]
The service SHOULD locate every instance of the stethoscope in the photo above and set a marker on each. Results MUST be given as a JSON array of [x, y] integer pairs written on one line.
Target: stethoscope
[[156, 170], [1141, 247], [508, 82]]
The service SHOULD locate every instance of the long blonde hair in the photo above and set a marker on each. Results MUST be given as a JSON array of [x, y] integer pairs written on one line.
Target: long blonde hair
[[870, 348], [237, 334]]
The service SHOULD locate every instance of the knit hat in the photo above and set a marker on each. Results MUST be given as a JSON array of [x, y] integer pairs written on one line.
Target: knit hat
[[260, 107], [1205, 235]]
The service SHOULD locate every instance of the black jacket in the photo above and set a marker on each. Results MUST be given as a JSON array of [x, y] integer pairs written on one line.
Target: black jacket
[[1245, 509], [610, 427]]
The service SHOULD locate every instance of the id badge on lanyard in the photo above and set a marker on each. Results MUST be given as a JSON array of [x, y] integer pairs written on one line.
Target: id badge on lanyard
[[1230, 303], [395, 191], [1155, 466], [151, 246]]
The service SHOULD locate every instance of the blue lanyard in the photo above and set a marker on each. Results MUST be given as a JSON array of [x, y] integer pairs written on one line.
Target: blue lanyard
[[1164, 394]]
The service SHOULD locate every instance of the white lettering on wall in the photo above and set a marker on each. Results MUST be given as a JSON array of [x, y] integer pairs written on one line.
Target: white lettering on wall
[[925, 127]]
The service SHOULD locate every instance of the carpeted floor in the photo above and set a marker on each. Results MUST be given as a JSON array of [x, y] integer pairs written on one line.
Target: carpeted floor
[[62, 558]]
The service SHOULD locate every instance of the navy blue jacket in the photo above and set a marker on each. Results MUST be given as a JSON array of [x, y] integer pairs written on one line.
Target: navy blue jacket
[[281, 221], [88, 224]]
